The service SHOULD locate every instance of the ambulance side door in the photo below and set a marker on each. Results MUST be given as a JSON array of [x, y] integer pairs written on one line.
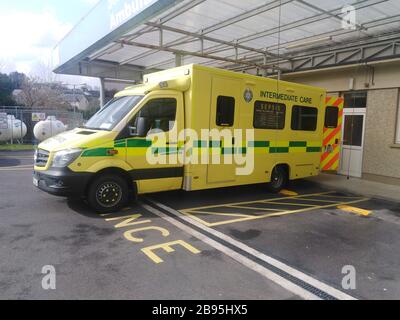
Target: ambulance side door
[[224, 116], [155, 163]]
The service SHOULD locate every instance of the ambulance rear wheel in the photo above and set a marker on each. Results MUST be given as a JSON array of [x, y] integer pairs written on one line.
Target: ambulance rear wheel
[[108, 194], [279, 179]]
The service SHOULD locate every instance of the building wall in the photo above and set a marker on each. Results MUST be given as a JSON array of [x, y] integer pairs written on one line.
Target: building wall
[[378, 76], [380, 157], [381, 153]]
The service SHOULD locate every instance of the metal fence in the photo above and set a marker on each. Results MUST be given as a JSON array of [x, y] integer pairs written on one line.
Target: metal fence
[[31, 116]]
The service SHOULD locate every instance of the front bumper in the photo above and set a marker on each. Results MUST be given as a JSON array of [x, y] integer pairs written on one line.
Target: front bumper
[[62, 182]]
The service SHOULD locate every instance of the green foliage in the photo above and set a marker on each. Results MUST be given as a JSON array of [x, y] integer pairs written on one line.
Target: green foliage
[[17, 79], [16, 147]]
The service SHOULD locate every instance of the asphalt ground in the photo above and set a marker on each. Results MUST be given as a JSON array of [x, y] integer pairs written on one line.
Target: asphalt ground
[[234, 243]]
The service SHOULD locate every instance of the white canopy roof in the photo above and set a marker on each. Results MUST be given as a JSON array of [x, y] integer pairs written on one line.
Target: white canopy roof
[[254, 35]]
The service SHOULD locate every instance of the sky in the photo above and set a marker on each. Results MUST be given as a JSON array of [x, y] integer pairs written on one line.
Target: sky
[[30, 29]]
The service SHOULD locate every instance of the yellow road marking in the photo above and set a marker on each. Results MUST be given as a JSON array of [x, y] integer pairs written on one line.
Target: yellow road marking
[[129, 234], [278, 214], [358, 211], [194, 217], [254, 208], [284, 213], [288, 193], [256, 201], [131, 220], [168, 248], [291, 204], [110, 214], [326, 201], [223, 214], [344, 197]]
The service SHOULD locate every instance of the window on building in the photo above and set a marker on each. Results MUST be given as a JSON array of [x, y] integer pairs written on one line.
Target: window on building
[[269, 115], [160, 114], [304, 118], [225, 111], [331, 117], [355, 99]]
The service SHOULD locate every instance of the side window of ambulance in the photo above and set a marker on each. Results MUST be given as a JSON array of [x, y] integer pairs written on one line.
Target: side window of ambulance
[[304, 118], [331, 117], [160, 114], [225, 111]]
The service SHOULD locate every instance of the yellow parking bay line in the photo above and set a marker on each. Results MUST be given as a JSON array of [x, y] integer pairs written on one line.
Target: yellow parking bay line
[[192, 213], [283, 213], [222, 214], [194, 217], [254, 208], [343, 197], [292, 204], [257, 201], [358, 211], [322, 200]]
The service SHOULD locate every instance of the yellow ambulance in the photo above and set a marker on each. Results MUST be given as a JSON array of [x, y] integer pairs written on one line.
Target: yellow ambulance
[[190, 128]]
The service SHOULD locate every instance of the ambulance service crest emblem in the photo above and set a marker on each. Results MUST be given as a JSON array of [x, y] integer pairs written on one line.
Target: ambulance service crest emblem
[[248, 95]]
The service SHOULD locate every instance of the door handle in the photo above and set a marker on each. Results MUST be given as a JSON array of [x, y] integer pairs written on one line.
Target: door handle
[[172, 143]]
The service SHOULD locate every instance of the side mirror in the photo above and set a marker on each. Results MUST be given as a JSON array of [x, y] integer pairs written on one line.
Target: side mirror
[[142, 127]]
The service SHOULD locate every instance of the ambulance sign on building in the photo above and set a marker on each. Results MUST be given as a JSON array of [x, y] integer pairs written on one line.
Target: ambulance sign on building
[[108, 20]]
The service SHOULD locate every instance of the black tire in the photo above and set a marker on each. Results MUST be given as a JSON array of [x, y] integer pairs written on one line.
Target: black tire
[[279, 179], [108, 193]]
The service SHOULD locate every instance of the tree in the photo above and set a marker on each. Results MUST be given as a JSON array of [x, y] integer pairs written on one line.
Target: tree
[[6, 89], [17, 79], [44, 72], [37, 94]]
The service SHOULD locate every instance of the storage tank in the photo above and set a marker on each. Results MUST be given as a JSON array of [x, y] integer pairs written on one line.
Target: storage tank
[[49, 128], [16, 130]]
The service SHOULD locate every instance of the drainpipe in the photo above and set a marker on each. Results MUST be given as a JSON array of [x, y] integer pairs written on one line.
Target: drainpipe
[[102, 93]]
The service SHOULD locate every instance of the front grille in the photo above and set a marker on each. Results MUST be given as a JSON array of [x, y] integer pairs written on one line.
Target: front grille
[[41, 158]]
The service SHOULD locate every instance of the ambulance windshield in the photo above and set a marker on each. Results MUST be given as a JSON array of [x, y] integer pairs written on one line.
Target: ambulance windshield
[[112, 113]]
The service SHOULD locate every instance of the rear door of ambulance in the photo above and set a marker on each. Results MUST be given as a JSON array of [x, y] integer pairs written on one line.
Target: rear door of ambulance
[[332, 134]]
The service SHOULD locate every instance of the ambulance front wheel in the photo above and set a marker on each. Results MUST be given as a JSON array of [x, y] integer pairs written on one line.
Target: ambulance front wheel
[[107, 194], [279, 179]]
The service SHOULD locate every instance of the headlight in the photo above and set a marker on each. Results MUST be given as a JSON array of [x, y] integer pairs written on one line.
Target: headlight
[[64, 158]]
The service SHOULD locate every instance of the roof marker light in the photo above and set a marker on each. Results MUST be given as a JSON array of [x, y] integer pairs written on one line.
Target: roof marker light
[[164, 84]]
